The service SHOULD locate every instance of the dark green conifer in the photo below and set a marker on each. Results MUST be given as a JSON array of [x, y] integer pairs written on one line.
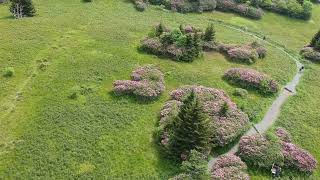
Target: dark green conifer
[[22, 8], [315, 38], [210, 33], [191, 129]]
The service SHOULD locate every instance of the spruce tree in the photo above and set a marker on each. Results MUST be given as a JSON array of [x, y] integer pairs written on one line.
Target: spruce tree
[[317, 45], [210, 33], [22, 8], [315, 38], [191, 129], [196, 45], [160, 29]]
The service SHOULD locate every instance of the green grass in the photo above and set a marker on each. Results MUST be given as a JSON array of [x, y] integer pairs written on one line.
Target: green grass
[[45, 135]]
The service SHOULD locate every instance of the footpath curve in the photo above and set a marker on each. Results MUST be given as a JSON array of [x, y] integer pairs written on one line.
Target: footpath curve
[[274, 110]]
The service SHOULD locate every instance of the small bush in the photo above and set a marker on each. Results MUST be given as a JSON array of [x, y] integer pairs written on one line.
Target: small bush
[[247, 53], [310, 54], [283, 135], [229, 167], [240, 92], [261, 151], [196, 166], [297, 158], [147, 83], [249, 78], [8, 72], [140, 5]]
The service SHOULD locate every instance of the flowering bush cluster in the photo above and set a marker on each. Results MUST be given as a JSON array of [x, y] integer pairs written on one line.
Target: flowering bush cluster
[[147, 83], [261, 151], [249, 78], [240, 8], [311, 54], [294, 156], [229, 167], [183, 44], [298, 9], [228, 121], [298, 158], [265, 150], [247, 53]]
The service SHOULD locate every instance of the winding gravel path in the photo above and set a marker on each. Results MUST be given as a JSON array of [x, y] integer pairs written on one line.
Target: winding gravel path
[[274, 110]]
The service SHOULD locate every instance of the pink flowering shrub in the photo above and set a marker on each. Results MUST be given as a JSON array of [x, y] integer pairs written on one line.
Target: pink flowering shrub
[[147, 83], [298, 158], [247, 53], [249, 78], [226, 127], [242, 9], [229, 160], [229, 167], [283, 135], [261, 151], [311, 54]]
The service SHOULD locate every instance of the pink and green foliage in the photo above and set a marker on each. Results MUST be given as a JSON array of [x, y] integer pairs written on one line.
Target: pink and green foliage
[[247, 53], [298, 158], [147, 83], [229, 167], [226, 126], [283, 135], [249, 78], [261, 151], [295, 157]]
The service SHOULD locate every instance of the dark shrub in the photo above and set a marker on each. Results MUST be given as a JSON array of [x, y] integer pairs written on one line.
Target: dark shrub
[[27, 7], [311, 54], [240, 92], [8, 72]]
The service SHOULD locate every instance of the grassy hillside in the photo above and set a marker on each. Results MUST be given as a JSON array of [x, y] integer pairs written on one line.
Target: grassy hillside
[[43, 134]]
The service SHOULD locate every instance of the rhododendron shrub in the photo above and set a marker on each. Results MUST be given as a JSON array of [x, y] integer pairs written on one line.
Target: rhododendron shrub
[[147, 83], [298, 158], [311, 54], [226, 127], [249, 78], [283, 135], [229, 167], [295, 157], [247, 53], [261, 151]]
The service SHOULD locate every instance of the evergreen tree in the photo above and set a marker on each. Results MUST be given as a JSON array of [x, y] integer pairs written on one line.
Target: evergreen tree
[[160, 29], [315, 38], [317, 45], [196, 166], [210, 33], [22, 8], [196, 45], [191, 129]]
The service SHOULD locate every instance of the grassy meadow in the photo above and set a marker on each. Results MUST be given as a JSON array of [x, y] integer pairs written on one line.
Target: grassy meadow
[[46, 135]]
